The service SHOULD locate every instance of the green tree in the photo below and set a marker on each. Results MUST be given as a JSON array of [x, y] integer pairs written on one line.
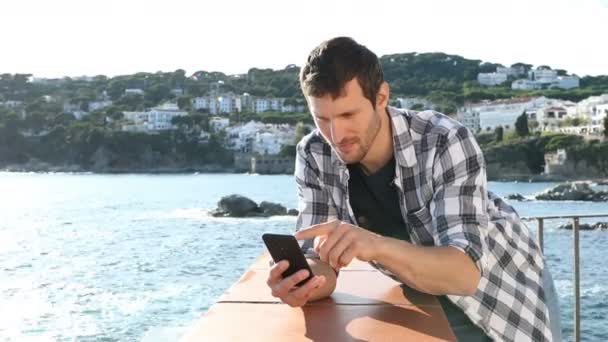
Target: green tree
[[521, 125], [288, 151], [498, 133], [184, 102], [606, 126], [417, 106], [301, 131]]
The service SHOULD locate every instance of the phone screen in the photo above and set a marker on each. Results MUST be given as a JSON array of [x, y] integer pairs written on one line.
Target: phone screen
[[286, 247]]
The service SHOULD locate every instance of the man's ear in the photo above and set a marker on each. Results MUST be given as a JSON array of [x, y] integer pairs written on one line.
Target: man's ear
[[382, 96]]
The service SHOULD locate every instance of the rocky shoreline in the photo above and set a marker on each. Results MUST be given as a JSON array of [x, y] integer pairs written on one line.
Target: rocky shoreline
[[44, 167], [35, 165], [240, 206]]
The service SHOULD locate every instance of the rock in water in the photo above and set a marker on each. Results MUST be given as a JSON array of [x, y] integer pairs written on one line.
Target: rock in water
[[575, 191], [516, 197], [271, 209], [236, 206]]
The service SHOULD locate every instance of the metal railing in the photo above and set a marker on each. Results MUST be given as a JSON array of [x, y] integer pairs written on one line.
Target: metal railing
[[575, 230]]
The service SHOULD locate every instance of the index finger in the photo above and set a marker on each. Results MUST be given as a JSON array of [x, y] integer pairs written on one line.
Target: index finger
[[317, 230]]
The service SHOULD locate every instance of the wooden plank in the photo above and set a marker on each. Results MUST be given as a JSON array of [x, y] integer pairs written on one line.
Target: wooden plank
[[359, 287], [279, 322], [366, 306]]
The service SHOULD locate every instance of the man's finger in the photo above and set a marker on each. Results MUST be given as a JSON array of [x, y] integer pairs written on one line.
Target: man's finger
[[333, 238], [317, 230], [305, 291], [347, 256], [319, 240], [288, 283], [276, 272], [333, 255]]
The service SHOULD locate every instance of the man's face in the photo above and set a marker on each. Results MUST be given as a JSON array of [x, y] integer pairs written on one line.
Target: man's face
[[349, 123]]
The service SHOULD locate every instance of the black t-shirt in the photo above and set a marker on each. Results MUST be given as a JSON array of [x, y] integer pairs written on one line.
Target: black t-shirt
[[375, 201], [376, 206]]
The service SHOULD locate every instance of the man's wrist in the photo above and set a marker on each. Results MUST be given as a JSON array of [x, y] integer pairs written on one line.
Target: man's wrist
[[386, 246], [380, 245]]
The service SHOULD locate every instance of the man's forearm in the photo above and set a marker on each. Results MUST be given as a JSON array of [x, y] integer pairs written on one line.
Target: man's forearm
[[433, 270], [321, 268]]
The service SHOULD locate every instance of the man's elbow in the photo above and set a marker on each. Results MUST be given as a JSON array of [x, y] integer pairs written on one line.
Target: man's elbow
[[469, 276], [471, 284]]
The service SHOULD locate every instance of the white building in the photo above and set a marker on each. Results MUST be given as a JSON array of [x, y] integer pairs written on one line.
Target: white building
[[470, 119], [525, 84], [226, 104], [267, 143], [261, 105], [177, 91], [79, 114], [256, 137], [291, 108], [273, 138], [543, 75], [160, 117], [241, 137], [505, 112], [567, 82], [596, 124], [134, 91], [208, 103], [199, 103], [97, 105], [586, 106], [591, 123], [217, 124], [491, 79], [509, 71], [223, 104], [244, 102], [409, 102], [156, 119], [135, 121], [69, 107], [204, 137], [276, 104], [550, 117], [11, 104]]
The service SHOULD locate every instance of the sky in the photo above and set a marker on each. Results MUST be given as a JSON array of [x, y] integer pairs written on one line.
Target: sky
[[115, 37]]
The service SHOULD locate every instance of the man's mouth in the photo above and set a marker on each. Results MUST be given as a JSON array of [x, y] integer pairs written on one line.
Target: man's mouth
[[345, 147]]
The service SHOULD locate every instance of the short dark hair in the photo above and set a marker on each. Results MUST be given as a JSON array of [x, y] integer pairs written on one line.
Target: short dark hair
[[337, 61]]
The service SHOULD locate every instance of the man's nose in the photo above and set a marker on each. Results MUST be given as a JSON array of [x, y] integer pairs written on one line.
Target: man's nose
[[337, 131]]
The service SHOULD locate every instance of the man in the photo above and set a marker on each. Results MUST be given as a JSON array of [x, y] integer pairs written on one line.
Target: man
[[407, 191]]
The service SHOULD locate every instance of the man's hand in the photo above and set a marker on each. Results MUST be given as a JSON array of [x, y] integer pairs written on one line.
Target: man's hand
[[285, 288], [338, 243]]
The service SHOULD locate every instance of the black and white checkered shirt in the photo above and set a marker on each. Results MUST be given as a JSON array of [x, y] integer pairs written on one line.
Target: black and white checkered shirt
[[440, 177]]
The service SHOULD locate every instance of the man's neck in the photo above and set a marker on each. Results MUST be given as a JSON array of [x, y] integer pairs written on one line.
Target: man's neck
[[381, 150]]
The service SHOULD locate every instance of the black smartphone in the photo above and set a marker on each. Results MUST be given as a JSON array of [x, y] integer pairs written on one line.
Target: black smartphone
[[286, 247]]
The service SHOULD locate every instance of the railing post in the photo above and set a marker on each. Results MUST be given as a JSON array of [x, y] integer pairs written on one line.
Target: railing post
[[577, 304], [540, 233]]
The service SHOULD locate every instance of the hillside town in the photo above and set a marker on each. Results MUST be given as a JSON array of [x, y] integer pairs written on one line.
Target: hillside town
[[584, 118], [524, 117]]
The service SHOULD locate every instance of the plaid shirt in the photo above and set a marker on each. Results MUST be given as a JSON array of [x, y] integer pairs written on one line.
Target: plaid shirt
[[441, 182]]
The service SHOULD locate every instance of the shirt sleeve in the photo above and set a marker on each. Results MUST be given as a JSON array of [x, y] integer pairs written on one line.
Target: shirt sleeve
[[314, 202], [458, 205]]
